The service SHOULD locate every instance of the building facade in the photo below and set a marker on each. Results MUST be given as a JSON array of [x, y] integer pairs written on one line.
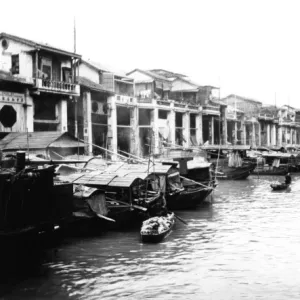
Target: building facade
[[43, 88], [265, 125], [37, 81]]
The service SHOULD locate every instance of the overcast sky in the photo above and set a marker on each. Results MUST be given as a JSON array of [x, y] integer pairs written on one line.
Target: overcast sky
[[249, 48]]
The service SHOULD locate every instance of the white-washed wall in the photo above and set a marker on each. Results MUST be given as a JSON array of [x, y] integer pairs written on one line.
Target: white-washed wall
[[25, 67], [88, 72]]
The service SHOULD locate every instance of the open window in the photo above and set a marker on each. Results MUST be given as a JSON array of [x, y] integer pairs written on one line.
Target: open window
[[46, 68], [67, 75], [15, 64]]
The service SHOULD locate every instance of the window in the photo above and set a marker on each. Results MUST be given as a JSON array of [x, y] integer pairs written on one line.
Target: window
[[47, 68], [163, 114], [15, 64], [67, 75]]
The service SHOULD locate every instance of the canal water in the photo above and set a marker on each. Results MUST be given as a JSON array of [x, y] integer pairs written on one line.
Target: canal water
[[246, 245]]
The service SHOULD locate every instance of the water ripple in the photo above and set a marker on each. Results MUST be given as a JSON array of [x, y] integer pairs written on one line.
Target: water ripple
[[244, 246]]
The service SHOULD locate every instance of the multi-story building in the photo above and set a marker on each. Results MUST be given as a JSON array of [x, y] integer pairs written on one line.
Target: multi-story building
[[36, 83], [265, 125], [96, 118], [171, 110]]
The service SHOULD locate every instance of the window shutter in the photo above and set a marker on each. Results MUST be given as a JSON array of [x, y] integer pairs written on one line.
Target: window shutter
[[108, 81], [15, 64]]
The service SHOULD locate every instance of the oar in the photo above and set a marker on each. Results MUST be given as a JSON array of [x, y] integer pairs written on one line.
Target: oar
[[180, 219], [106, 218], [177, 217]]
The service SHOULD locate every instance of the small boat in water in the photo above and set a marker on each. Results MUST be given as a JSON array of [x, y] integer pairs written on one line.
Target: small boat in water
[[155, 229], [279, 186]]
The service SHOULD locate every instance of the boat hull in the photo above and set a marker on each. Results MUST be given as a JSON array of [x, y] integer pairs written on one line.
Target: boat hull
[[189, 198], [279, 187], [270, 172], [232, 173]]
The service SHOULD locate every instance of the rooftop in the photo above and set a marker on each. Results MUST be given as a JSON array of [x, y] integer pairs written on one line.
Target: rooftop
[[242, 98], [92, 85], [37, 45], [37, 140], [105, 68], [151, 74], [167, 74]]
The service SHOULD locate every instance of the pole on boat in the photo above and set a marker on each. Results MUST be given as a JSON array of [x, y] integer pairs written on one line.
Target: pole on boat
[[198, 183], [122, 156], [105, 218], [134, 156], [127, 204]]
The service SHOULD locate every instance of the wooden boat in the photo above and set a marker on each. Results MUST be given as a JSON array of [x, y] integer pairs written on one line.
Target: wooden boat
[[269, 171], [33, 209], [130, 199], [155, 229], [277, 163], [279, 186], [183, 193], [234, 173], [128, 196], [229, 162]]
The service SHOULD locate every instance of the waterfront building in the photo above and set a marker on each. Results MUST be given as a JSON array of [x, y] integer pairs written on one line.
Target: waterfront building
[[105, 109], [43, 88], [174, 111], [235, 124], [266, 125], [36, 83]]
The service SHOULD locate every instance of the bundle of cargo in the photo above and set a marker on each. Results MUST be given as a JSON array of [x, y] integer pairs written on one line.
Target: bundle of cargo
[[156, 229]]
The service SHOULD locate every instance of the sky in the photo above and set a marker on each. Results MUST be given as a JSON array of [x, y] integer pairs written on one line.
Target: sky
[[248, 48]]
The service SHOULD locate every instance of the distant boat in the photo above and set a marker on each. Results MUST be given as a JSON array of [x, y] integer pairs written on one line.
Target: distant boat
[[279, 186]]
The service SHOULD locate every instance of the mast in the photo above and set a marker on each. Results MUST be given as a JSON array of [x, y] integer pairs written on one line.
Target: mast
[[74, 35]]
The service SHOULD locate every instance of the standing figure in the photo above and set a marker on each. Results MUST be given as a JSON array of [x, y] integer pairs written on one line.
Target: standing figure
[[288, 178]]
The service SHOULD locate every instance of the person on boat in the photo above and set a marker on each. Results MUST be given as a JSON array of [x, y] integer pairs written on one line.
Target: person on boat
[[288, 178]]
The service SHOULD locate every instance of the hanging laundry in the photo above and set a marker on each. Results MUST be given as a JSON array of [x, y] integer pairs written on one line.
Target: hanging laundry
[[276, 163]]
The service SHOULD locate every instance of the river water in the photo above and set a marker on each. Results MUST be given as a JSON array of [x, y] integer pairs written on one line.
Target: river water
[[246, 245]]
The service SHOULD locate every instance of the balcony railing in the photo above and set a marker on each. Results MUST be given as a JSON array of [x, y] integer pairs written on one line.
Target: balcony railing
[[193, 106], [179, 105], [211, 107], [144, 100], [163, 102], [57, 86], [266, 116]]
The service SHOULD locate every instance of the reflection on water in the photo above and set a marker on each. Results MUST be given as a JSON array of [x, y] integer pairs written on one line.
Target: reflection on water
[[245, 246]]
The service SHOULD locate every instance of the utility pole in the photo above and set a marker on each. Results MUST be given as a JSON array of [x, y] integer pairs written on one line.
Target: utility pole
[[74, 35]]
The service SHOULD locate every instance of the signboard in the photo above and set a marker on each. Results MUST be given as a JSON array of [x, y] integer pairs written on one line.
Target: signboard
[[8, 97]]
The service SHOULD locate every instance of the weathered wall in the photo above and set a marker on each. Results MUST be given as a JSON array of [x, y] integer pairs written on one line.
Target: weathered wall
[[88, 72], [25, 59], [12, 102], [247, 106]]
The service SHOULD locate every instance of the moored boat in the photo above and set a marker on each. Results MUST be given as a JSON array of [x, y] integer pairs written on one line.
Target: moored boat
[[183, 193], [229, 161], [155, 229]]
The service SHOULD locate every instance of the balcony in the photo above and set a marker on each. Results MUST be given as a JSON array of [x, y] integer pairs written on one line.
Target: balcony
[[194, 107], [266, 117], [58, 87], [211, 110], [163, 103]]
